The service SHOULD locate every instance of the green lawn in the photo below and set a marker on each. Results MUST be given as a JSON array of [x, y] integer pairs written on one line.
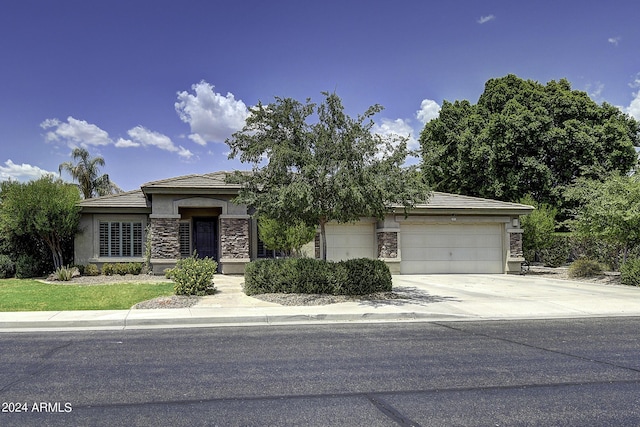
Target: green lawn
[[31, 295]]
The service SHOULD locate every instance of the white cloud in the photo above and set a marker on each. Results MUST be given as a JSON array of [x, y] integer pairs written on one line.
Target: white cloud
[[614, 40], [126, 143], [397, 127], [428, 111], [634, 107], [485, 19], [75, 132], [148, 138], [23, 172], [211, 116], [595, 91]]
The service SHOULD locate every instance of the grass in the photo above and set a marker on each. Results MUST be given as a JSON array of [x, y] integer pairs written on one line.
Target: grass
[[31, 295]]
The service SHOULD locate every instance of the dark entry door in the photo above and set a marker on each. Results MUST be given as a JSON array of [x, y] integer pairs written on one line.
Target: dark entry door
[[205, 237]]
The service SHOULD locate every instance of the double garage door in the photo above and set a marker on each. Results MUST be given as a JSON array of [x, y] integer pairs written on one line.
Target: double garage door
[[426, 248], [451, 248]]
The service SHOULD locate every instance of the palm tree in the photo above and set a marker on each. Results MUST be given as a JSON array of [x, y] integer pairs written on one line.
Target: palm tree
[[85, 171]]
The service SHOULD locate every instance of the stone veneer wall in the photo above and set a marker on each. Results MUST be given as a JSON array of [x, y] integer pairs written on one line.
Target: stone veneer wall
[[234, 238], [515, 245], [387, 244], [165, 242]]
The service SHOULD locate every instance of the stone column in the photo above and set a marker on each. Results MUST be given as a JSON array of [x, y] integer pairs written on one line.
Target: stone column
[[235, 250], [515, 257], [165, 242], [387, 244], [515, 245], [388, 248]]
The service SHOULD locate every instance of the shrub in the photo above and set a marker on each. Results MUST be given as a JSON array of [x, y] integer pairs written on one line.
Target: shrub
[[289, 275], [108, 269], [7, 267], [585, 267], [28, 267], [193, 276], [135, 268], [630, 272], [365, 276], [120, 269], [538, 227], [91, 270], [65, 274], [557, 254], [313, 276]]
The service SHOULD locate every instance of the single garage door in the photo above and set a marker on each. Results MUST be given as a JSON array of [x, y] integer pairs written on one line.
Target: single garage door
[[347, 241], [451, 248]]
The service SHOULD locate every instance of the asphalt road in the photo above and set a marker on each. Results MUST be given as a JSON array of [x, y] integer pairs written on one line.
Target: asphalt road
[[554, 372]]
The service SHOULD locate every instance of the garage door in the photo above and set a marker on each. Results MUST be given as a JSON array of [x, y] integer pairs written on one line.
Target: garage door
[[347, 241], [451, 248]]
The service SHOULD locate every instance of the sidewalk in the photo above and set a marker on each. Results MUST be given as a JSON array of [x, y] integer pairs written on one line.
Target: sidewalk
[[457, 297]]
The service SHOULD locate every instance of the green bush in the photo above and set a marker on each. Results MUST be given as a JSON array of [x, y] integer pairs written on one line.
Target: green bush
[[557, 254], [135, 268], [630, 272], [193, 276], [7, 267], [365, 276], [122, 268], [28, 267], [313, 276], [91, 270], [585, 267], [108, 269], [64, 274]]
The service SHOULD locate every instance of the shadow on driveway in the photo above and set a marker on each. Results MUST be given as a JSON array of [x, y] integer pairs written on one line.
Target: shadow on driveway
[[407, 295]]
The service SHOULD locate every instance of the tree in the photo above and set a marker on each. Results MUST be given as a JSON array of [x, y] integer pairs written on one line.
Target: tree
[[45, 209], [610, 210], [538, 226], [335, 169], [283, 237], [87, 172], [526, 138]]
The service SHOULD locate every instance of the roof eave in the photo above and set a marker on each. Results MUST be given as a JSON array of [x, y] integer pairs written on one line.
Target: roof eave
[[463, 211], [190, 190]]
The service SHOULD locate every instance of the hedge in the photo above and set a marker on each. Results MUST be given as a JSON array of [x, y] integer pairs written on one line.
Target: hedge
[[312, 276], [630, 272]]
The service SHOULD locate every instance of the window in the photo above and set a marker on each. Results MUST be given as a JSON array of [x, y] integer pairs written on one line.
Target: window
[[263, 252], [120, 239], [185, 239]]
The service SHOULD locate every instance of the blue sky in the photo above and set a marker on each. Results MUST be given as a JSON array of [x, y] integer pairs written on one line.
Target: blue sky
[[155, 86]]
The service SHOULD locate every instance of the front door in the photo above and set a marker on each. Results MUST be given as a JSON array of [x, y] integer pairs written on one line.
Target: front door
[[205, 237]]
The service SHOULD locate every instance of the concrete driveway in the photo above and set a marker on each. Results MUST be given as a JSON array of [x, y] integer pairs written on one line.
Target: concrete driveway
[[479, 296]]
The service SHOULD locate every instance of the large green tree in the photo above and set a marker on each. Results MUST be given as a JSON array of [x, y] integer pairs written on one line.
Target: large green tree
[[86, 171], [523, 137], [46, 209], [609, 210], [284, 237], [315, 164]]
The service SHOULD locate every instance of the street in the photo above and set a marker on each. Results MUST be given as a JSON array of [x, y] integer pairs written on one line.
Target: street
[[544, 372]]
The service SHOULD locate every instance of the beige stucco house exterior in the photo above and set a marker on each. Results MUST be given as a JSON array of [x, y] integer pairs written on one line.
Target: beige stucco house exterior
[[449, 234]]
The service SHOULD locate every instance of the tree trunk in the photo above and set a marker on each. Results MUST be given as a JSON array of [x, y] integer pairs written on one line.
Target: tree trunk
[[56, 252]]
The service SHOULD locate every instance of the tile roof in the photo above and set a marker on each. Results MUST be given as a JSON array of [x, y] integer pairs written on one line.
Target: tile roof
[[214, 180], [130, 199], [457, 201]]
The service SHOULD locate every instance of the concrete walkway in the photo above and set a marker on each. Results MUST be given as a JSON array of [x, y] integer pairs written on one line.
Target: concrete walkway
[[427, 298]]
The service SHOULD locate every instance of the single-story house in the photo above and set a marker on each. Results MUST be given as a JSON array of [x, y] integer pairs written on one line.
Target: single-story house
[[448, 234]]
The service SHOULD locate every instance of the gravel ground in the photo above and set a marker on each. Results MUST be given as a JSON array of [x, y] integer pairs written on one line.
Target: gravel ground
[[177, 301]]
